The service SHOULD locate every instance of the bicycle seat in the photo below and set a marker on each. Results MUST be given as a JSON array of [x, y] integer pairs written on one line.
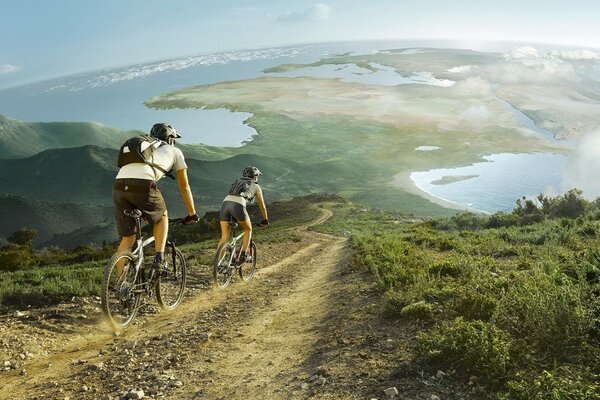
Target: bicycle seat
[[233, 224], [135, 213]]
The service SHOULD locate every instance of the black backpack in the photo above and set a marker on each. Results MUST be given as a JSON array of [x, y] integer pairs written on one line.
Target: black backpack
[[139, 149], [241, 187]]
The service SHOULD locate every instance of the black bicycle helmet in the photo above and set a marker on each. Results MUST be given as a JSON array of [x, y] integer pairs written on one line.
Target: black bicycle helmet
[[251, 172], [164, 132]]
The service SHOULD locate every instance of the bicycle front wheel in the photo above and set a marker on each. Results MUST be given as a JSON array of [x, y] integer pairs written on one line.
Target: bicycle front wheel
[[248, 268], [171, 279], [223, 268], [120, 299]]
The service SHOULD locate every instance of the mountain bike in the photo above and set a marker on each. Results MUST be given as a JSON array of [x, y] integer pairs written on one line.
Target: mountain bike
[[226, 259], [127, 278]]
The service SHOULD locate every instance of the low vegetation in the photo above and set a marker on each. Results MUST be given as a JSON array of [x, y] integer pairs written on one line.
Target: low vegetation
[[510, 301], [32, 277]]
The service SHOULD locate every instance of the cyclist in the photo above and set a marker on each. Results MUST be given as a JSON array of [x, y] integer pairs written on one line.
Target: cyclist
[[135, 187], [242, 191]]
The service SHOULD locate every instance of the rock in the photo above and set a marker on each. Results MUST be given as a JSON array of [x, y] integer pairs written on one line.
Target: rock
[[391, 392], [135, 394], [204, 336], [304, 386], [314, 378], [320, 381]]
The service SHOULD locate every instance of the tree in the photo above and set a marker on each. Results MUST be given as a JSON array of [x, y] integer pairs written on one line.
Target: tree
[[23, 236]]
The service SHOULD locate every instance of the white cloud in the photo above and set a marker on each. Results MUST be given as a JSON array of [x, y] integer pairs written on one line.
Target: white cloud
[[543, 70], [7, 69], [578, 55], [461, 69], [472, 87], [519, 53], [476, 116], [316, 12], [582, 168]]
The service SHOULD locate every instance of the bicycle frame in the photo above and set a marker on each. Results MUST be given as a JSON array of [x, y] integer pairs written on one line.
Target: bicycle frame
[[138, 253]]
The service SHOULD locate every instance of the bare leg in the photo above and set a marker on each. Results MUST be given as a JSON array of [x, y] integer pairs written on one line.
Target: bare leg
[[224, 233], [161, 230], [125, 245], [247, 225]]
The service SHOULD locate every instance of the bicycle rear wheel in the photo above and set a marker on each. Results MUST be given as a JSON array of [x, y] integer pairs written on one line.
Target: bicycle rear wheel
[[120, 300], [222, 267], [171, 279], [248, 268]]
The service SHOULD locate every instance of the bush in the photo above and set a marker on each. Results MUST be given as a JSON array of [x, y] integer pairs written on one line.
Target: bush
[[547, 311], [549, 386], [18, 258], [477, 347], [419, 310]]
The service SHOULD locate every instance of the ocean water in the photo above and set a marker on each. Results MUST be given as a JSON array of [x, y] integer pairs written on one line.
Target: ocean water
[[499, 182]]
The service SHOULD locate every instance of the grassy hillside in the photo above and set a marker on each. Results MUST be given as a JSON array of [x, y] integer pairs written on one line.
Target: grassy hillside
[[30, 277], [508, 302], [23, 139], [81, 174], [50, 218]]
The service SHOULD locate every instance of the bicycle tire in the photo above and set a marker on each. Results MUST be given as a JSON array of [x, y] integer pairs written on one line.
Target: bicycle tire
[[222, 268], [247, 269], [171, 280], [119, 302]]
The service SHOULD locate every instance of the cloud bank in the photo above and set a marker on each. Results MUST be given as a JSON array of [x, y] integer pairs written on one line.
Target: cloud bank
[[315, 13], [7, 69], [583, 166]]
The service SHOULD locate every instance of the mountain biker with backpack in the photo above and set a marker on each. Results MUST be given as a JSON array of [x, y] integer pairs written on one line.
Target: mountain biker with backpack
[[143, 161], [242, 191]]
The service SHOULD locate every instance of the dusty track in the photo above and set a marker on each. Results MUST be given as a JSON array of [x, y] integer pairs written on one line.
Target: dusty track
[[247, 341]]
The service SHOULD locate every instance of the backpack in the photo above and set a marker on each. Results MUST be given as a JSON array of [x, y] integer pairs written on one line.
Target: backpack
[[241, 187], [139, 149]]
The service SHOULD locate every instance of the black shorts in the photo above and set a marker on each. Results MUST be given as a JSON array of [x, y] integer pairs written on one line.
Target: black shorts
[[231, 209], [136, 193]]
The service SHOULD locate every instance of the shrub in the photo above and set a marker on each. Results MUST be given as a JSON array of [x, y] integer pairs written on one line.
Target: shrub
[[474, 305], [477, 347], [551, 386], [547, 311], [419, 310], [19, 258]]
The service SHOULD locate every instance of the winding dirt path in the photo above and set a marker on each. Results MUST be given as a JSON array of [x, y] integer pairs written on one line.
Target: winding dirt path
[[260, 340]]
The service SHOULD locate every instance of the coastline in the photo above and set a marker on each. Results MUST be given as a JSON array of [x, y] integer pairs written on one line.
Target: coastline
[[403, 181]]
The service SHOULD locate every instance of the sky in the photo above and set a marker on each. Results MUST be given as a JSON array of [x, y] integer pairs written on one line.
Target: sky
[[42, 39]]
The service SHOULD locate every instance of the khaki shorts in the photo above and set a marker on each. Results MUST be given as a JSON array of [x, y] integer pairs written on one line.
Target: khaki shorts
[[136, 193]]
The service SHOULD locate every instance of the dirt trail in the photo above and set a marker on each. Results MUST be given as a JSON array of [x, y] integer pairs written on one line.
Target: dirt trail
[[276, 337]]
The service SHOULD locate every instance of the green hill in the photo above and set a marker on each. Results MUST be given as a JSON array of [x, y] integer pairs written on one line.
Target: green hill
[[23, 139], [82, 174], [49, 218]]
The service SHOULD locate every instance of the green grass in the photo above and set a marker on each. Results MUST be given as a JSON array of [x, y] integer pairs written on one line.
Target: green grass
[[516, 306], [36, 278]]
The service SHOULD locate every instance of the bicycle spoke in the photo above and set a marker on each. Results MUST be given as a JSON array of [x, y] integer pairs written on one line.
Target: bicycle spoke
[[222, 268], [171, 280], [248, 268], [120, 301]]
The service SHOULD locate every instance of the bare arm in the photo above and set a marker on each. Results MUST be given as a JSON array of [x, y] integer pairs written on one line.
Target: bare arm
[[261, 204], [186, 191]]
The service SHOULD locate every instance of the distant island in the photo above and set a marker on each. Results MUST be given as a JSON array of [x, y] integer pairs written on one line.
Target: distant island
[[445, 180]]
